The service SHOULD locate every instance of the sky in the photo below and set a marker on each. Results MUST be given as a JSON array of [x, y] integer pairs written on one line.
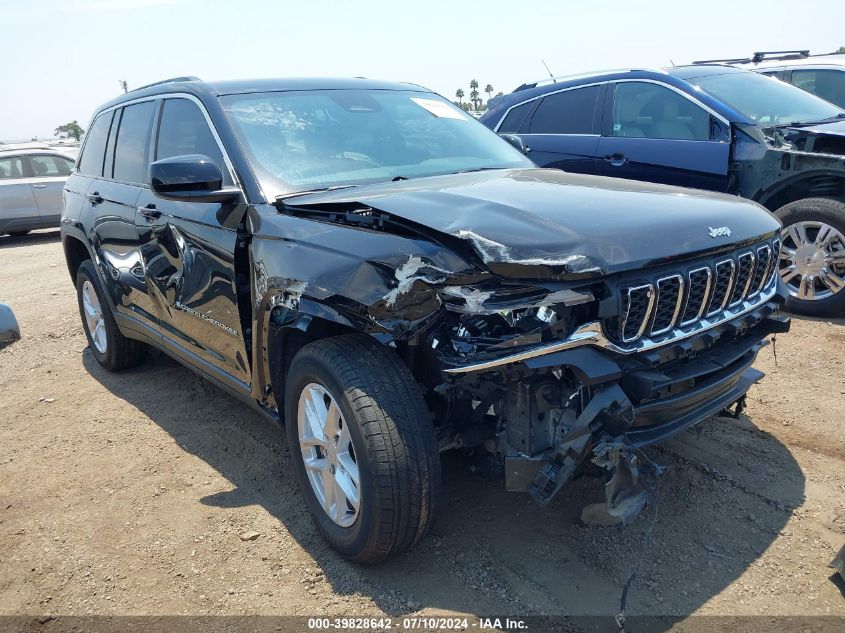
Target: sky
[[62, 58]]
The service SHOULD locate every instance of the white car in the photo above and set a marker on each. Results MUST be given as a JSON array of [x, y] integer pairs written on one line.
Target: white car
[[821, 75], [31, 184]]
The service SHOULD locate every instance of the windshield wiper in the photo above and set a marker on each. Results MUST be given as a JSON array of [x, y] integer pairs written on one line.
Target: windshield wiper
[[295, 194], [830, 119], [472, 169]]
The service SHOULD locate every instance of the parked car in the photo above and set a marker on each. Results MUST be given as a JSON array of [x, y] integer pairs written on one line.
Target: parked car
[[9, 330], [370, 264], [713, 127], [31, 183], [821, 75]]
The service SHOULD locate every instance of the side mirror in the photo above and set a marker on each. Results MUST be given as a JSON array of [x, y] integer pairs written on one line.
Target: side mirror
[[517, 142], [9, 330], [190, 178]]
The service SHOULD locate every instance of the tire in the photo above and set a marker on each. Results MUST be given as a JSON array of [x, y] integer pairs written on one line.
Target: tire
[[393, 446], [111, 349], [811, 267], [18, 233]]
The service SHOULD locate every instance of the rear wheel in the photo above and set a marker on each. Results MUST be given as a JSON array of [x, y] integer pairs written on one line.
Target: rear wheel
[[362, 445], [812, 259], [111, 349]]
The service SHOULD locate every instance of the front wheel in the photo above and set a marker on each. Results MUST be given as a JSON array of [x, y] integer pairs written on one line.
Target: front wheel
[[812, 259], [362, 445]]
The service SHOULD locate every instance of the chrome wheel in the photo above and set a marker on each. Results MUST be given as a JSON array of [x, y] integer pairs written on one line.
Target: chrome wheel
[[94, 317], [812, 260], [328, 455]]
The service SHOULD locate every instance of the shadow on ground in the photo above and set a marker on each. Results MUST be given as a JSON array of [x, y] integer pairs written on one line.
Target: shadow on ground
[[727, 494], [36, 237]]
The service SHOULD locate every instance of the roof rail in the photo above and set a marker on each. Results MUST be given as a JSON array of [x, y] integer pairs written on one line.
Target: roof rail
[[758, 57], [167, 81], [553, 80]]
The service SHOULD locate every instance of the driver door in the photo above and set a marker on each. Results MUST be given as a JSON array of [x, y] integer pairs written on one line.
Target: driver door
[[651, 132], [188, 255]]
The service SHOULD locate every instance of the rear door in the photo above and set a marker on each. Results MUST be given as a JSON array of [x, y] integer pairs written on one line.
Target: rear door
[[654, 133], [49, 174], [110, 214], [562, 131], [188, 254], [18, 209]]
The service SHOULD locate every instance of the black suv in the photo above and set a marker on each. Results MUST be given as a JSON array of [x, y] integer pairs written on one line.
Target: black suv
[[371, 265], [710, 127]]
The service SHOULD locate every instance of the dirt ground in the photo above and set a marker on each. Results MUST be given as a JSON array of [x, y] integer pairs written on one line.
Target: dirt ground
[[132, 493]]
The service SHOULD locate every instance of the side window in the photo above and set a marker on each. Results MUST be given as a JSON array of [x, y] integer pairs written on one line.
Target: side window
[[184, 130], [91, 161], [648, 110], [567, 112], [49, 166], [132, 144], [514, 119], [11, 167], [827, 84]]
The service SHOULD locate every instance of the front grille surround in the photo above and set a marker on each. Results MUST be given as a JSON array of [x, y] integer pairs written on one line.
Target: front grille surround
[[667, 304]]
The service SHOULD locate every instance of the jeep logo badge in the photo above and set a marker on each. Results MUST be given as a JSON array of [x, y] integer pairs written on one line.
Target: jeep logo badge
[[719, 231]]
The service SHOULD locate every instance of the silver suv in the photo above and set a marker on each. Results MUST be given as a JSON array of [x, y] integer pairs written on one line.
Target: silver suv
[[822, 75], [31, 184]]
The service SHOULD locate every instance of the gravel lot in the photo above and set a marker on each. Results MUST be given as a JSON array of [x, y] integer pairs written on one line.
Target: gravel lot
[[151, 492]]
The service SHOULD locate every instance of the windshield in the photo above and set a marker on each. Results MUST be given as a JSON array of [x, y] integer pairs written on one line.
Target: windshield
[[767, 100], [300, 141]]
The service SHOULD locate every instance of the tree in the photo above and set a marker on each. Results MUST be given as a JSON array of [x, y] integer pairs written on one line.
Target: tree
[[473, 92], [489, 90], [841, 49], [460, 95], [500, 94], [70, 129]]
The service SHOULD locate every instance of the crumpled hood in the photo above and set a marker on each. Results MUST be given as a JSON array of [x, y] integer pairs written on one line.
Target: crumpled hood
[[544, 223], [822, 138]]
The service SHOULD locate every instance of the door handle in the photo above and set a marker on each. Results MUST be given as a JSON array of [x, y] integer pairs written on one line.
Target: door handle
[[94, 198], [617, 159], [150, 212], [41, 186]]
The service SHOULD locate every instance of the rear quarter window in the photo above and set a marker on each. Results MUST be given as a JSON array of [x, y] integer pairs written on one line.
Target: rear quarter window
[[568, 112], [91, 160]]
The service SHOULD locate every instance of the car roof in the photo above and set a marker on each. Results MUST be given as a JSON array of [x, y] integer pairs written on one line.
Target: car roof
[[199, 88], [676, 76], [19, 151]]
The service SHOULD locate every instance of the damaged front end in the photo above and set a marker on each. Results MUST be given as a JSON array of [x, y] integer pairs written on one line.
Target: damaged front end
[[536, 365]]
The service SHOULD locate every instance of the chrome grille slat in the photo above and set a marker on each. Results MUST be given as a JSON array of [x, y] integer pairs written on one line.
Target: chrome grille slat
[[698, 291], [722, 286], [761, 272], [670, 295], [744, 272], [640, 300]]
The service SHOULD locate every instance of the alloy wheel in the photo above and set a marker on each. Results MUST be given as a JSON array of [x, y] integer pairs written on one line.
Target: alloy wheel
[[328, 455], [812, 260], [94, 317]]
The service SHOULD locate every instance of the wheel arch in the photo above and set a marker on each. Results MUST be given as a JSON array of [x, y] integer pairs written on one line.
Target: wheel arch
[[76, 252], [814, 184]]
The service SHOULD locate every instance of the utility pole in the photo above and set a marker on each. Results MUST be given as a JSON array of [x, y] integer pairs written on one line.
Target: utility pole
[[124, 84]]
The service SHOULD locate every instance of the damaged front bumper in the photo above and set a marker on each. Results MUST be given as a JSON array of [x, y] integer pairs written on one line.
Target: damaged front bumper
[[635, 398]]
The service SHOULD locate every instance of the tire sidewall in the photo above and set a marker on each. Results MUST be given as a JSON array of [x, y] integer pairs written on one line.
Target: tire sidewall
[[815, 210], [353, 540]]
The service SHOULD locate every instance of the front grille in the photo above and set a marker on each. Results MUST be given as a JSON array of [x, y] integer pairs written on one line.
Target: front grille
[[700, 295]]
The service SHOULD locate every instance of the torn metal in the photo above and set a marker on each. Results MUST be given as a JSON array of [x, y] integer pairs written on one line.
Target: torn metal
[[509, 317]]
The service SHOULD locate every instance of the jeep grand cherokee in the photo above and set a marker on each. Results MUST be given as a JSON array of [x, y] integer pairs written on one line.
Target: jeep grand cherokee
[[373, 267]]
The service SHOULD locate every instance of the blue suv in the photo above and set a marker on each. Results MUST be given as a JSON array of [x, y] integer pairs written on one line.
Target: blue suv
[[710, 127]]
